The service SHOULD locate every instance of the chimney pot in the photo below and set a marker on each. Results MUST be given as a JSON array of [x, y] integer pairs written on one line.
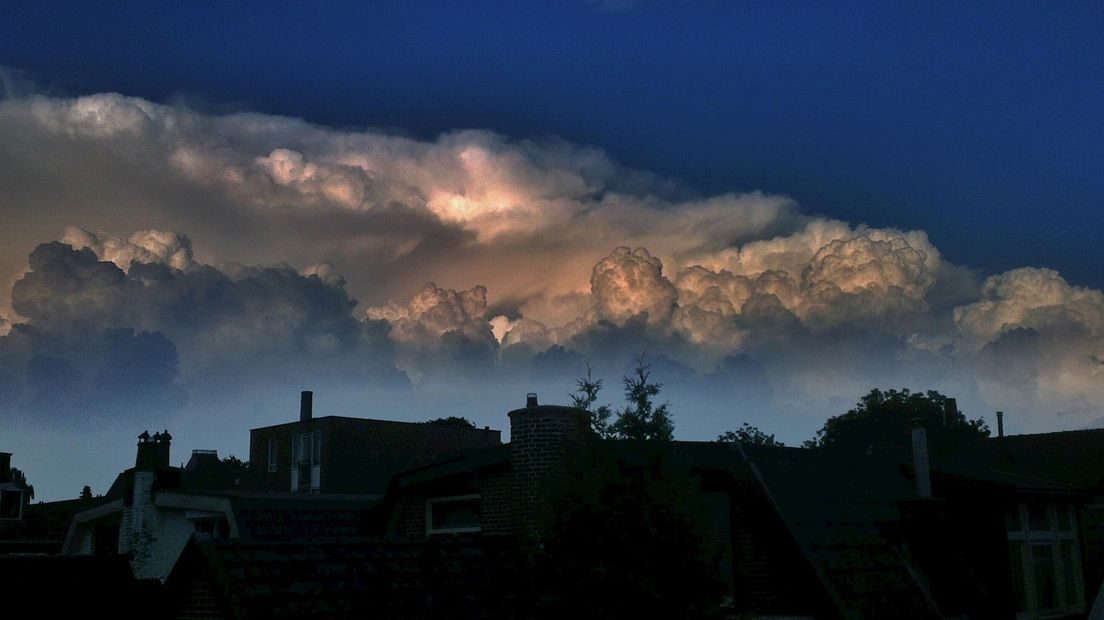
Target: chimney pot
[[1000, 424], [306, 406], [531, 399]]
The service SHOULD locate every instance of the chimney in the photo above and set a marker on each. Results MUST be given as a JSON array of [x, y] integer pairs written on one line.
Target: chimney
[[306, 406], [1000, 424], [5, 467], [921, 468], [153, 452], [950, 412], [539, 437]]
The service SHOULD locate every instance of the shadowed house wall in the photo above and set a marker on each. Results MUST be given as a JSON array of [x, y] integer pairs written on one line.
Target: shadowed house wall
[[357, 456]]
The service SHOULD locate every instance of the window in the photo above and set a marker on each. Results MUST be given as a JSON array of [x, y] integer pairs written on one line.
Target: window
[[1045, 558], [452, 515], [271, 455], [11, 504], [306, 467]]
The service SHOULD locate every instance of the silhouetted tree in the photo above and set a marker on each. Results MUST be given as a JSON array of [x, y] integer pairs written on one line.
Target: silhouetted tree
[[586, 396], [234, 467], [86, 492], [452, 421], [625, 537], [886, 418], [641, 418], [749, 434], [20, 478]]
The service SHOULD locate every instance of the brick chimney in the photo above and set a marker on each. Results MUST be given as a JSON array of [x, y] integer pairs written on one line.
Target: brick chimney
[[140, 518], [539, 435], [306, 406], [153, 452]]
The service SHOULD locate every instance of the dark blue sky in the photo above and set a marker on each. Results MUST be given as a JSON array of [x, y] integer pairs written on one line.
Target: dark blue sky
[[982, 124]]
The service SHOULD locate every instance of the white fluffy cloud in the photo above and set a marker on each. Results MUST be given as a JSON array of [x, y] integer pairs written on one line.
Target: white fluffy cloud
[[535, 243]]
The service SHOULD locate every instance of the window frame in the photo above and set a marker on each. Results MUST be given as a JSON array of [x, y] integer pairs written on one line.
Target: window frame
[[453, 499], [306, 451], [1052, 538]]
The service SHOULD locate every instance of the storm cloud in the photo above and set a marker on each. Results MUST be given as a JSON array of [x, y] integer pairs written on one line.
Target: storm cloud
[[196, 249]]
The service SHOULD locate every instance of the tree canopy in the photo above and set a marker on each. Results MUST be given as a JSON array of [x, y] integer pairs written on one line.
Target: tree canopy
[[639, 419], [585, 397], [451, 421], [887, 417], [749, 434]]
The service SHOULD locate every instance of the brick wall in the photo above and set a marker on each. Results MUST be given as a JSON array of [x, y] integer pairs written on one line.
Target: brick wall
[[496, 511], [538, 436]]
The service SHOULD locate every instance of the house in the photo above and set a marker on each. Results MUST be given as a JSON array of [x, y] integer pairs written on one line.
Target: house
[[318, 477], [152, 510], [342, 455], [973, 531]]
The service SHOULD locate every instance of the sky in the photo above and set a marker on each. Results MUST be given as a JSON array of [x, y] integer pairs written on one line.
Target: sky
[[428, 209]]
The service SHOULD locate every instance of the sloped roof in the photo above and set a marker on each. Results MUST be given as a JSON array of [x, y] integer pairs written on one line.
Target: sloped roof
[[1072, 457], [840, 510], [275, 516], [345, 578]]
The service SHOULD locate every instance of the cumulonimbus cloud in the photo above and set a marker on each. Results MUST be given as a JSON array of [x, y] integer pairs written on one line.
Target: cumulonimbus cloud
[[535, 246]]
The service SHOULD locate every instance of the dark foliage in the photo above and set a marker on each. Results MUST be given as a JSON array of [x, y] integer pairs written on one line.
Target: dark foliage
[[233, 467], [452, 422], [886, 418], [625, 538], [585, 397], [641, 419], [751, 435]]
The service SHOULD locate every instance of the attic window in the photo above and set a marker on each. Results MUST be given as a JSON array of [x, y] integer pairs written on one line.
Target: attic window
[[458, 514], [1045, 558]]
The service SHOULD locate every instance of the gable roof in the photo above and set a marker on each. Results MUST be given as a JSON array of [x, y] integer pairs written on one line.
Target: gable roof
[[840, 508]]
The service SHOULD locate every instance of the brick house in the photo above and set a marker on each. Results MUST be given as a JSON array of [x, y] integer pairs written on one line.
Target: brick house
[[341, 455], [978, 531]]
